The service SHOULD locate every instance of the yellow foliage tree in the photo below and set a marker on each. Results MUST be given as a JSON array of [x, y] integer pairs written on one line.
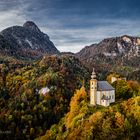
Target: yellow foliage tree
[[119, 120], [74, 106]]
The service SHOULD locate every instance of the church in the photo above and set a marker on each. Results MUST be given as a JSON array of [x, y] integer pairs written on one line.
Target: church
[[101, 92]]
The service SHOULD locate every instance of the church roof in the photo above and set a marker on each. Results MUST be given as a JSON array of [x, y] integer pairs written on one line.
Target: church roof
[[104, 86]]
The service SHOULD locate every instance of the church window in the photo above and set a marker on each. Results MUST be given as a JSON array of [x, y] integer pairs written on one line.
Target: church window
[[107, 98]]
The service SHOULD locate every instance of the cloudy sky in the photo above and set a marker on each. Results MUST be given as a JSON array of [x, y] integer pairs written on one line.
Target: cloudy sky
[[73, 24]]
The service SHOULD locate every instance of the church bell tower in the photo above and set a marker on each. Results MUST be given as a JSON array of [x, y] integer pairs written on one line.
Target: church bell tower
[[93, 88]]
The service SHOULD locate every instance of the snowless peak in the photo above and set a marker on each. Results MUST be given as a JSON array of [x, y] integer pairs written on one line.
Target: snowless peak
[[31, 25]]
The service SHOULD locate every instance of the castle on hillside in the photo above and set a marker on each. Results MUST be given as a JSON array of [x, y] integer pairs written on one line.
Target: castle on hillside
[[101, 92]]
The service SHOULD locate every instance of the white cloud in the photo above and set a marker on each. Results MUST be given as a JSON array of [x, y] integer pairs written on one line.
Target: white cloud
[[12, 13], [10, 18]]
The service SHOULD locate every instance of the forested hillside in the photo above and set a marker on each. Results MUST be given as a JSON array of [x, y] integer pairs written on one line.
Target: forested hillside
[[63, 111], [25, 112], [84, 122]]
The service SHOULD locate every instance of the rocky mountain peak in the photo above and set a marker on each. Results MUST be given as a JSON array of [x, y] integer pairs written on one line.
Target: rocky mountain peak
[[31, 25], [26, 42], [124, 50]]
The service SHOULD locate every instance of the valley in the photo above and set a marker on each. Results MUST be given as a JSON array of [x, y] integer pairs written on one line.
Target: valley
[[44, 93]]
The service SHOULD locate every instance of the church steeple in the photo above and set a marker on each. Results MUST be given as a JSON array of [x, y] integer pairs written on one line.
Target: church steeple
[[93, 88], [93, 76]]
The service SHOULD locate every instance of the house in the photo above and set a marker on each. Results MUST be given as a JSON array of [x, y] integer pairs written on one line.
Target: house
[[101, 92], [44, 90], [115, 78]]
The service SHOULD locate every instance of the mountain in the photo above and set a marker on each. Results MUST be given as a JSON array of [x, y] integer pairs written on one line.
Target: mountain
[[112, 53], [4, 46], [26, 42]]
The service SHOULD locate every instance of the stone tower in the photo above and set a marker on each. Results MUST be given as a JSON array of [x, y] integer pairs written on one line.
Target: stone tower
[[93, 88]]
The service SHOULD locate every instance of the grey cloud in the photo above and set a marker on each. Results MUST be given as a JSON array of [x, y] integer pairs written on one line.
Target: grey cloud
[[72, 24], [69, 38]]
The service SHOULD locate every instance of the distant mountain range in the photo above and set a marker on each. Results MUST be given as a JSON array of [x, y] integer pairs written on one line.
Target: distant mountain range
[[125, 46], [25, 42], [112, 54]]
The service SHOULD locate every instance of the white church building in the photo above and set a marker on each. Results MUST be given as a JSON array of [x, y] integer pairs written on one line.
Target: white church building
[[101, 92]]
